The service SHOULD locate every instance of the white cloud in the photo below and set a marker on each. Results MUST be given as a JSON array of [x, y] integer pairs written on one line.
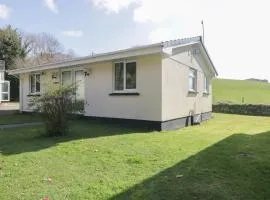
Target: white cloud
[[113, 5], [236, 32], [51, 5], [73, 33], [5, 11], [160, 34]]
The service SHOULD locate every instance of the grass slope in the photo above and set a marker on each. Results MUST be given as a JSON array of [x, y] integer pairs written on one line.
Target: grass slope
[[225, 158], [232, 91]]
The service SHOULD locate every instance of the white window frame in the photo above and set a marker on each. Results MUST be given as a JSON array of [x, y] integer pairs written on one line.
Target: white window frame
[[206, 85], [72, 73], [124, 78], [193, 77], [8, 92], [30, 86], [72, 76]]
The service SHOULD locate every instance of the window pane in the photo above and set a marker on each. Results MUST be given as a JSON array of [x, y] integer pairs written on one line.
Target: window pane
[[37, 82], [1, 76], [66, 78], [206, 84], [4, 86], [32, 83], [131, 75], [119, 76], [79, 80], [192, 73], [191, 83], [192, 80], [5, 97]]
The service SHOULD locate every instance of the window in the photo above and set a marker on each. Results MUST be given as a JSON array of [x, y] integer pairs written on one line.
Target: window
[[192, 80], [206, 85], [74, 77], [35, 83], [124, 76], [66, 78]]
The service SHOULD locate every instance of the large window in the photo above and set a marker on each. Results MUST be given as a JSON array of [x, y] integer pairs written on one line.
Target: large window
[[35, 83], [124, 76], [192, 80], [74, 78], [206, 84]]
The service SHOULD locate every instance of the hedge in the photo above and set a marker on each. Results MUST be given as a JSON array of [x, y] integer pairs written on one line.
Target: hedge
[[242, 109]]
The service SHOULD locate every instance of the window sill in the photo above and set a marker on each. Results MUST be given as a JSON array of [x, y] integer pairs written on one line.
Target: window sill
[[33, 95], [124, 94], [206, 93], [192, 92]]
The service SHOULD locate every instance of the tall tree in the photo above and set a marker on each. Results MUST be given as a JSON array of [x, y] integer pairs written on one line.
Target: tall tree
[[42, 48], [11, 46]]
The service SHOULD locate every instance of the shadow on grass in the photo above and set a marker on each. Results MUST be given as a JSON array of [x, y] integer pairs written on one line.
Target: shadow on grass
[[30, 139], [237, 167]]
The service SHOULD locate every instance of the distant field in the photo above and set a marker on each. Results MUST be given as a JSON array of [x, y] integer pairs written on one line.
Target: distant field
[[232, 91]]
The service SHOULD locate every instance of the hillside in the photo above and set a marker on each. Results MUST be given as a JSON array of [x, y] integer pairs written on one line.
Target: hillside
[[232, 91]]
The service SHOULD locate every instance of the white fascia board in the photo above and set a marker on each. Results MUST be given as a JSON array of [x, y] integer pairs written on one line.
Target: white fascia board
[[172, 50], [176, 49], [207, 58], [122, 54]]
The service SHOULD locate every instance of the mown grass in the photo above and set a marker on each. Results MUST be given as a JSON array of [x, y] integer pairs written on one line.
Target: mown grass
[[240, 91], [19, 118], [225, 158]]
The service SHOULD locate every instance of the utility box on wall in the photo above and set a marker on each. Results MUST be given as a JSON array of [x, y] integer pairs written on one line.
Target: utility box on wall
[[4, 85]]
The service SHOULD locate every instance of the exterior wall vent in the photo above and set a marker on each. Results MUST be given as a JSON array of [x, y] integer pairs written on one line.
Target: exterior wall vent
[[197, 119]]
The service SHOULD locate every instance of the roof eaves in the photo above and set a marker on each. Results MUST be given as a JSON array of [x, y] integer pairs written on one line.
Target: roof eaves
[[89, 59]]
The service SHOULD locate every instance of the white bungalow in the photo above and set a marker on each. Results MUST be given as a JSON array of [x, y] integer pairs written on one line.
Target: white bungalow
[[165, 85]]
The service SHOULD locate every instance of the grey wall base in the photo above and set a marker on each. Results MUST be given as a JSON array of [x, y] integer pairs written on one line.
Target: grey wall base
[[152, 125], [148, 125], [8, 112], [183, 122]]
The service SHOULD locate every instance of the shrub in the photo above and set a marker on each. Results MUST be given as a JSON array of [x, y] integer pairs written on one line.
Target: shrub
[[55, 105]]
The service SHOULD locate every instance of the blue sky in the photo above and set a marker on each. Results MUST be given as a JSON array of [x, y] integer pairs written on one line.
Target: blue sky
[[98, 31], [236, 35]]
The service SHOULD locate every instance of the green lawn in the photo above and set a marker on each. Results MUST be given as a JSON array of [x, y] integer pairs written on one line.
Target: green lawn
[[19, 118], [232, 91], [225, 158]]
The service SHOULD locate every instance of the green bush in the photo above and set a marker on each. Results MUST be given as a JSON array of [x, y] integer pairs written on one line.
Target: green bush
[[242, 109], [56, 105]]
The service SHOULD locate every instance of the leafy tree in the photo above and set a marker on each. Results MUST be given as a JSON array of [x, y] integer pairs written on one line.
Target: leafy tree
[[11, 46], [55, 105], [11, 49]]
